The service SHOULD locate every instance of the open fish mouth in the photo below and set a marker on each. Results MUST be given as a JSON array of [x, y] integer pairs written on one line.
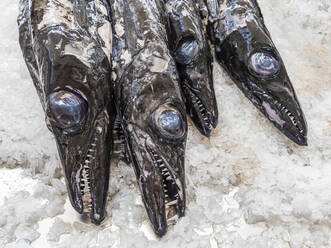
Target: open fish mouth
[[85, 178], [173, 193], [290, 116], [205, 120], [88, 177], [160, 177], [287, 117]]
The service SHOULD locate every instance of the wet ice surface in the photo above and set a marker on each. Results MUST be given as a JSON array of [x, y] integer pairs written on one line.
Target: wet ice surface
[[247, 186]]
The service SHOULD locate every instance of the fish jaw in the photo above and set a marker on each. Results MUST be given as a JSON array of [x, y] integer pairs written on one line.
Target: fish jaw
[[160, 176], [201, 109], [284, 111], [86, 158]]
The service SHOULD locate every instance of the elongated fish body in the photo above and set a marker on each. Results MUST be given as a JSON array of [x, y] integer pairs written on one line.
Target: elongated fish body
[[151, 108], [67, 47], [192, 53], [243, 46]]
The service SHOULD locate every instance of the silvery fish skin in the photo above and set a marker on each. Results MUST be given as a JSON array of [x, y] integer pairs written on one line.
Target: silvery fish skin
[[67, 48], [244, 47], [193, 56], [150, 107]]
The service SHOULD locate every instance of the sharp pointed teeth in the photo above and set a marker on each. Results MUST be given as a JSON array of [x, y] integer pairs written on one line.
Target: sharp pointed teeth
[[85, 181], [166, 178], [171, 203], [289, 114]]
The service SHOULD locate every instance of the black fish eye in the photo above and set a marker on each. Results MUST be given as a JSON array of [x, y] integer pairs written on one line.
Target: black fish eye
[[169, 122], [187, 49], [264, 64], [67, 108]]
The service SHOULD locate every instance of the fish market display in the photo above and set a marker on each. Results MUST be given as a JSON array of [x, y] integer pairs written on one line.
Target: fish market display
[[124, 73]]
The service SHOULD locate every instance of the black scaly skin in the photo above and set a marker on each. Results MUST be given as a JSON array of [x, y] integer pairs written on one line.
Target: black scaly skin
[[67, 48], [237, 30], [192, 53]]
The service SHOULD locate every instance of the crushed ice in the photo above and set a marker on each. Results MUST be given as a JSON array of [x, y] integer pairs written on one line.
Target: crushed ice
[[247, 186]]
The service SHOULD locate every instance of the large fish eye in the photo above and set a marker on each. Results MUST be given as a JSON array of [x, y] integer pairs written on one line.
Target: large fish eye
[[187, 49], [263, 64], [169, 122], [67, 108]]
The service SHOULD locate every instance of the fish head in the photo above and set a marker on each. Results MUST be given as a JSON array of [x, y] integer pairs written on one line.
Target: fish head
[[80, 113], [194, 63], [156, 128], [255, 65]]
